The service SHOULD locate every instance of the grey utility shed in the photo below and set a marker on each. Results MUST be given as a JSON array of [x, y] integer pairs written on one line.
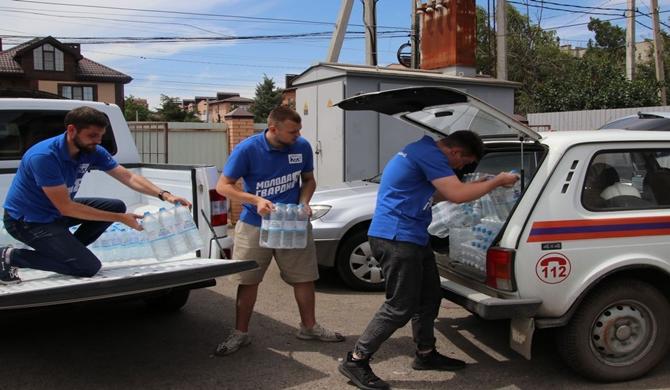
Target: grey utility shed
[[352, 145]]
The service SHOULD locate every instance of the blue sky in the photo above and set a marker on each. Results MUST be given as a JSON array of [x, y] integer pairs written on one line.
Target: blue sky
[[202, 68]]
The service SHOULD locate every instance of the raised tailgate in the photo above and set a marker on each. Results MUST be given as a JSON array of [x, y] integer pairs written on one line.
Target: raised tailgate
[[40, 288]]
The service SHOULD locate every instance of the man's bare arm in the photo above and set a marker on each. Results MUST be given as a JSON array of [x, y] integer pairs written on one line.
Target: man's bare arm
[[60, 198], [226, 187]]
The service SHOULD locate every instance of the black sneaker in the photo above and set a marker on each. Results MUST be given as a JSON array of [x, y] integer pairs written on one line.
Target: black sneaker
[[436, 361], [360, 373], [8, 274]]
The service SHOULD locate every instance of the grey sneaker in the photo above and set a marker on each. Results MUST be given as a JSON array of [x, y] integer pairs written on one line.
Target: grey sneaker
[[319, 333], [235, 341], [8, 274]]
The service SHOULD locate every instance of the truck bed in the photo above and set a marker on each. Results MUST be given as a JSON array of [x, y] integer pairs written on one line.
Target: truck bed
[[40, 288]]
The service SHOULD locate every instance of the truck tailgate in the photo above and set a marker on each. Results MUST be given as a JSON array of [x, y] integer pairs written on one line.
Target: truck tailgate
[[40, 288]]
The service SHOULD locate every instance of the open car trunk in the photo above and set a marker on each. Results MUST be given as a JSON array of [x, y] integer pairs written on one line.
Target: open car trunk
[[461, 243], [510, 146]]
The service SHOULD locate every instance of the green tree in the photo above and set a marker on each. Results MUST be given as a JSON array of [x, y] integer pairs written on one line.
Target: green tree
[[133, 111], [267, 97], [171, 111], [553, 80]]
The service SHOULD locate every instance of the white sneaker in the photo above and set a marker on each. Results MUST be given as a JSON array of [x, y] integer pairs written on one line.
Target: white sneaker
[[235, 341], [319, 333]]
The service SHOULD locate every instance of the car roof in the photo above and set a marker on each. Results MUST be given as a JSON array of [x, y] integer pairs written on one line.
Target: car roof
[[643, 120], [569, 138]]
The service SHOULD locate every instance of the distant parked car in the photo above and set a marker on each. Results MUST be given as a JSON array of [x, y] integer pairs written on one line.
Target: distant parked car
[[641, 121]]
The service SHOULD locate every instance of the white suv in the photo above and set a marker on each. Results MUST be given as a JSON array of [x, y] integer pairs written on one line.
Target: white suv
[[585, 248]]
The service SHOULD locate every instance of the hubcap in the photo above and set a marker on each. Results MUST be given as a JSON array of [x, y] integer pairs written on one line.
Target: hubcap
[[623, 333], [364, 265]]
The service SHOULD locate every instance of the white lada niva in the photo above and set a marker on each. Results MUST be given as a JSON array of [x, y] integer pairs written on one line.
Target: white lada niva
[[583, 246]]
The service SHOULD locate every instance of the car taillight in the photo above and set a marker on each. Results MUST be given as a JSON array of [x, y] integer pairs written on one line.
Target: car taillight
[[500, 268], [219, 208]]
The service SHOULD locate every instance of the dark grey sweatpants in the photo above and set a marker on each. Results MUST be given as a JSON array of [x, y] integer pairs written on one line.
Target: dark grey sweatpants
[[412, 292]]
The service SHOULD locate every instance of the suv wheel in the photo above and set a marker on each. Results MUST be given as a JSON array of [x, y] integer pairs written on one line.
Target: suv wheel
[[356, 265], [619, 332]]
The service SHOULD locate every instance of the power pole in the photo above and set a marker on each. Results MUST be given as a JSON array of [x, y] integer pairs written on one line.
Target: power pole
[[501, 40], [340, 29], [630, 40], [658, 51], [414, 37], [370, 20]]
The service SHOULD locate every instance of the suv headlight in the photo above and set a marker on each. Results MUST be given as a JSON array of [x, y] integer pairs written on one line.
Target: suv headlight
[[318, 211]]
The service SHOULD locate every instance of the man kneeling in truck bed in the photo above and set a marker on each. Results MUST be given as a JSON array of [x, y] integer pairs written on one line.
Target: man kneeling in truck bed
[[40, 206]]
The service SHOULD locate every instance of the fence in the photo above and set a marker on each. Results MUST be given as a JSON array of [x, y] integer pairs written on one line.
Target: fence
[[181, 142], [583, 120]]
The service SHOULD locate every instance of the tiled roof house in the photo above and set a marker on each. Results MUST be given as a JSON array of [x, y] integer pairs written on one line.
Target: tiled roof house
[[47, 67]]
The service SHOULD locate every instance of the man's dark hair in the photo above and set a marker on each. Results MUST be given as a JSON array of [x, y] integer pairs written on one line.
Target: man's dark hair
[[283, 113], [470, 141], [83, 117]]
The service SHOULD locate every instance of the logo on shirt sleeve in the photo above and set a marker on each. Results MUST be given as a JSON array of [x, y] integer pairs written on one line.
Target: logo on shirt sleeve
[[295, 158]]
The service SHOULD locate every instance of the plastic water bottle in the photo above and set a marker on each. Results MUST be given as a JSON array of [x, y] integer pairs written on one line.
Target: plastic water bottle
[[177, 240], [125, 250], [288, 226], [301, 223], [144, 250], [114, 248], [265, 231], [157, 235], [439, 226], [275, 228], [105, 246], [188, 228], [132, 244]]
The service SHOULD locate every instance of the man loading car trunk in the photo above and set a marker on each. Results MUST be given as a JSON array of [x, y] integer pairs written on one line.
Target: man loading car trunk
[[399, 241]]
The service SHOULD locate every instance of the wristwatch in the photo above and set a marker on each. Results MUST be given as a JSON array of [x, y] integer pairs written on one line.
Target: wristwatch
[[163, 192]]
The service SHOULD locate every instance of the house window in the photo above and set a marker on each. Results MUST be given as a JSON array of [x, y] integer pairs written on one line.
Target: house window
[[47, 57], [78, 92]]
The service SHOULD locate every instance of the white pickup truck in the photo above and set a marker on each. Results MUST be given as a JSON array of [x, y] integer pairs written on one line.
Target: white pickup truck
[[165, 285]]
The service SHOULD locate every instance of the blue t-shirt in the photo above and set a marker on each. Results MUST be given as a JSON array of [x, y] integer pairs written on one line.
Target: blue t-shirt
[[403, 210], [47, 164], [273, 174]]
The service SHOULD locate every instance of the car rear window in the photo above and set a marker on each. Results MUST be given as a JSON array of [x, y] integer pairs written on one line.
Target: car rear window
[[21, 129]]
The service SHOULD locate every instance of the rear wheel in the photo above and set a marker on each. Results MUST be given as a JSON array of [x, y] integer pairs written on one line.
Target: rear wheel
[[619, 332], [169, 301], [356, 265]]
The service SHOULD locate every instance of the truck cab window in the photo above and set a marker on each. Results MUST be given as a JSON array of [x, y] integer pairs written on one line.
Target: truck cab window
[[21, 129]]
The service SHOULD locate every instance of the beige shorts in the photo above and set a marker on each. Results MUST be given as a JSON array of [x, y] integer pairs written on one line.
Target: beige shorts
[[295, 265]]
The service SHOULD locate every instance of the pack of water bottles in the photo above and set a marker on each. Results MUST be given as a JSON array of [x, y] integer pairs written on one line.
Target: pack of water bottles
[[285, 227], [473, 226], [167, 233], [120, 242], [469, 244]]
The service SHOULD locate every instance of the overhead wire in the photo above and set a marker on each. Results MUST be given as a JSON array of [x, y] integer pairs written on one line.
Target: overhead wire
[[235, 17]]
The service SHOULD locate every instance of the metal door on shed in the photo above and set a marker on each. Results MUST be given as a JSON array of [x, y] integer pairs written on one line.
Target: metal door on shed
[[323, 127]]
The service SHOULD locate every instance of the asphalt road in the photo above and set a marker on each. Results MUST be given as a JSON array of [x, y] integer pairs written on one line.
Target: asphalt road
[[122, 345]]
